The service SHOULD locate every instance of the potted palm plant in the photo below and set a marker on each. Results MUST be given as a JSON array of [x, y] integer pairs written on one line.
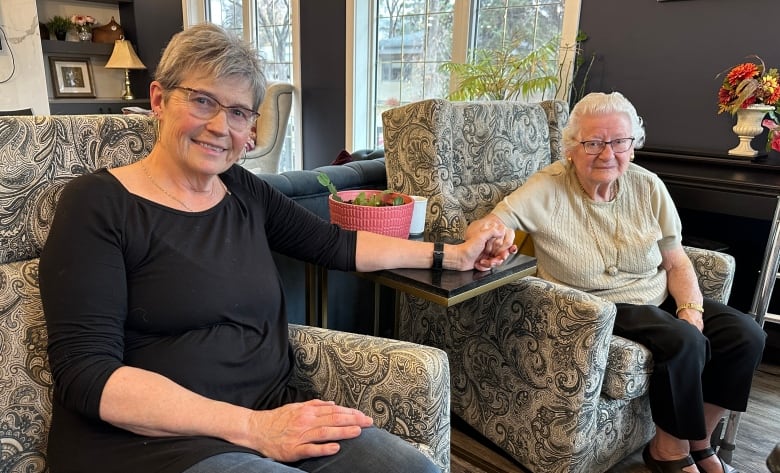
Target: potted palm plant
[[59, 26], [384, 212], [504, 74]]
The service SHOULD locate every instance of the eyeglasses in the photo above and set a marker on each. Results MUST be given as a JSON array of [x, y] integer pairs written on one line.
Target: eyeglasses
[[206, 107], [618, 145]]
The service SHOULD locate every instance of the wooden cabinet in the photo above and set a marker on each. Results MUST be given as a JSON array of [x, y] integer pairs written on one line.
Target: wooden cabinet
[[731, 201]]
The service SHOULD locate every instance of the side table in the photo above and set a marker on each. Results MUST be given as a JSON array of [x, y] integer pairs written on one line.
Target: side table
[[446, 287]]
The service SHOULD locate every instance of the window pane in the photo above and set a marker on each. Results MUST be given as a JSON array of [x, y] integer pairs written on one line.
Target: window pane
[[441, 6], [413, 38], [273, 36], [490, 28], [226, 13]]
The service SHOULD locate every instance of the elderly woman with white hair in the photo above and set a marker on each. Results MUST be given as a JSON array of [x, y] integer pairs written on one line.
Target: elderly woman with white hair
[[606, 226]]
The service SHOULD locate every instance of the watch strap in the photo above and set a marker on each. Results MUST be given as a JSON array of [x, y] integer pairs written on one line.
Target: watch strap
[[438, 255]]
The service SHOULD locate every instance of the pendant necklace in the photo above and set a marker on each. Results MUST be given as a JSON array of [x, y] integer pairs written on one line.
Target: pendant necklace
[[611, 269], [151, 179]]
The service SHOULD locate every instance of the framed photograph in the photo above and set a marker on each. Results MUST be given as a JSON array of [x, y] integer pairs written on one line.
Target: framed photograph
[[71, 77]]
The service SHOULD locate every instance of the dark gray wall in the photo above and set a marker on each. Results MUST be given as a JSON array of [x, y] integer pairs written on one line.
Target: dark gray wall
[[664, 57], [323, 79], [149, 25]]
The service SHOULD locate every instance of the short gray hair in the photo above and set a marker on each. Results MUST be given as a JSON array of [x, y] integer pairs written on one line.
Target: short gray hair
[[599, 103], [208, 49]]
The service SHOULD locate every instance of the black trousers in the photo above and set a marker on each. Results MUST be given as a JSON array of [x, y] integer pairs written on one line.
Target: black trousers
[[715, 366]]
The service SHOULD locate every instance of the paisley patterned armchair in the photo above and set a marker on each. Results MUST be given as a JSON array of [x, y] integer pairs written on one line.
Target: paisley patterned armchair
[[534, 365], [405, 387]]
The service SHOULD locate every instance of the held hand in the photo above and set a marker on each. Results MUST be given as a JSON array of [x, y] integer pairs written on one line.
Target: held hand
[[491, 243], [304, 430]]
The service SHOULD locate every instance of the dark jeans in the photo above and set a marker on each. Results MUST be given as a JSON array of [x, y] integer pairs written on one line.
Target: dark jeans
[[374, 451], [715, 366]]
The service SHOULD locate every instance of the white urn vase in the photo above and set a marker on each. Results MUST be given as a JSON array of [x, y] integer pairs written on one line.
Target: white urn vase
[[748, 127]]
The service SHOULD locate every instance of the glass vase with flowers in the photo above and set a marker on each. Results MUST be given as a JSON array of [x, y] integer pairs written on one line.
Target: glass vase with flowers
[[84, 25]]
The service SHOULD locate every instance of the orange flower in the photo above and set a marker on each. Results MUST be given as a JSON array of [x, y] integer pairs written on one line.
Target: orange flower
[[741, 72]]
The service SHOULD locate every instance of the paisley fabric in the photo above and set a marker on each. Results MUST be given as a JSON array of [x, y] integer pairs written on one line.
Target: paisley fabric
[[534, 365], [39, 154], [25, 379], [405, 387]]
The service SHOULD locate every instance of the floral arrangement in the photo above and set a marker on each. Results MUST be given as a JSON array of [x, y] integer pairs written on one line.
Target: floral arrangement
[[85, 21], [747, 84]]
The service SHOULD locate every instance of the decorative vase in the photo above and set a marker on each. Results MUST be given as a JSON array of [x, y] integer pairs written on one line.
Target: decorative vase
[[84, 33], [748, 127], [391, 220], [60, 35]]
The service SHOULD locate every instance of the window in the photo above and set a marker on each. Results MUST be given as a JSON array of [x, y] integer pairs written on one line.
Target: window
[[412, 38]]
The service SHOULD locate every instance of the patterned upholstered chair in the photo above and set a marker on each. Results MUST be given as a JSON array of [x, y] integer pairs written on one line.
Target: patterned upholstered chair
[[534, 365], [404, 386], [271, 129]]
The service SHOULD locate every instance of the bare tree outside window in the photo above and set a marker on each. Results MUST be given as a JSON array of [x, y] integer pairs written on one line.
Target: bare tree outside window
[[413, 38]]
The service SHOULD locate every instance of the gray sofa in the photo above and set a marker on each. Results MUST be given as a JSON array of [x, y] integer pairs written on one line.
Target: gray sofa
[[403, 386]]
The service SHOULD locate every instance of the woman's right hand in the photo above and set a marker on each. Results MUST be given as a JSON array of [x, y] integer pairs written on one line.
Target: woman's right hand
[[304, 429]]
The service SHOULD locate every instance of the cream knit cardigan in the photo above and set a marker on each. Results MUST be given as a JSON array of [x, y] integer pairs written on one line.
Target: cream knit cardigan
[[576, 239]]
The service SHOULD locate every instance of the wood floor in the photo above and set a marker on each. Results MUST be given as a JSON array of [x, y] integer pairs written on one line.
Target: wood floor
[[759, 431]]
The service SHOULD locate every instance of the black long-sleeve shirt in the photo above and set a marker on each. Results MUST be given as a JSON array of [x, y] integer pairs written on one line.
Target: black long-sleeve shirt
[[194, 296]]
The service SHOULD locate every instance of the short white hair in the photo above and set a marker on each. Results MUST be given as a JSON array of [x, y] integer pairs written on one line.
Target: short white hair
[[599, 103]]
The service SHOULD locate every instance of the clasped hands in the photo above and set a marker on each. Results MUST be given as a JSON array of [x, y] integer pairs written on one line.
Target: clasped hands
[[498, 246]]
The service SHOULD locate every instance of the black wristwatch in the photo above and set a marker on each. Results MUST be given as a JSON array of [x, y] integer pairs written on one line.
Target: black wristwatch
[[438, 255]]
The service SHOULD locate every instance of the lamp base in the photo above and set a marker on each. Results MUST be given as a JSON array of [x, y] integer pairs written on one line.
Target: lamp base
[[127, 94]]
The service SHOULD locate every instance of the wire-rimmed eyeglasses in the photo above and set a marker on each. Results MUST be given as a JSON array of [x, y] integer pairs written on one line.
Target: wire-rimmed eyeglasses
[[205, 107], [618, 145]]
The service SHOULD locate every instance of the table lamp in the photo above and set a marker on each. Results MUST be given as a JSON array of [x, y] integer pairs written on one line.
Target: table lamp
[[124, 57]]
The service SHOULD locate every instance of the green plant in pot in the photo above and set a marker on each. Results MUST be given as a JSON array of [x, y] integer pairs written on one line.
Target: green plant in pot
[[384, 212], [504, 73], [59, 26]]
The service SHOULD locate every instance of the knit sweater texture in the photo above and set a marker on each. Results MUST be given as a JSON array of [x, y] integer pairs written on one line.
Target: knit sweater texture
[[576, 239]]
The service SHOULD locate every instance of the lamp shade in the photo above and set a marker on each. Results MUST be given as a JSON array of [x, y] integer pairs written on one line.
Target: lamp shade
[[124, 57]]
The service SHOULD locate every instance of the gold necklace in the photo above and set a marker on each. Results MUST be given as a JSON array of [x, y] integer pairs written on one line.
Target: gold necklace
[[149, 175], [611, 269]]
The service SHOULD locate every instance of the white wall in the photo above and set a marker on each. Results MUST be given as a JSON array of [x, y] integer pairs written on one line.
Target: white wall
[[22, 86]]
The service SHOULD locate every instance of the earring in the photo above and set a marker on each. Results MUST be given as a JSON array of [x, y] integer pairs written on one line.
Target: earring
[[631, 158]]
